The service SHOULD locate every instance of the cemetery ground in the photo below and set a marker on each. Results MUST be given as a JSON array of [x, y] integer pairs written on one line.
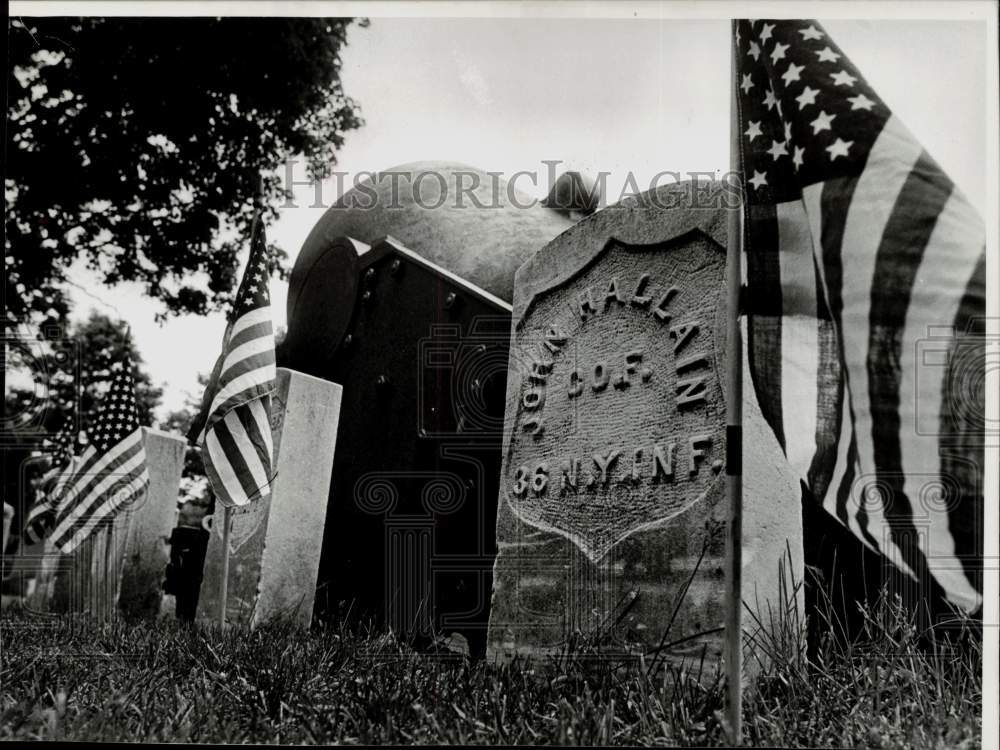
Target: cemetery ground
[[66, 679]]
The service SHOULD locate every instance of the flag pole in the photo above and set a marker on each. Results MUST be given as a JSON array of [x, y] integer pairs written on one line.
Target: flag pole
[[224, 590], [734, 422]]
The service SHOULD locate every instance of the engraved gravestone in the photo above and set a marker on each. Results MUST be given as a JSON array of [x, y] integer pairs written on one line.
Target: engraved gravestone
[[612, 514], [274, 543]]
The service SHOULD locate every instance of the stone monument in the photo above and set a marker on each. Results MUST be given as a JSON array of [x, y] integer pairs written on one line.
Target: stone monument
[[87, 581], [422, 357], [153, 518], [275, 543], [612, 515], [120, 566]]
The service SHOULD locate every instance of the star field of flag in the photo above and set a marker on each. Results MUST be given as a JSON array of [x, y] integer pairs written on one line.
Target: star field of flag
[[254, 291], [808, 115], [63, 445], [119, 415]]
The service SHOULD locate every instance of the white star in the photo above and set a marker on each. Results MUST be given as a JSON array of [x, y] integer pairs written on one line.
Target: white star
[[822, 122], [769, 99], [747, 83], [765, 32], [753, 130], [861, 102], [739, 37], [758, 180], [777, 149], [810, 33], [827, 55], [754, 50], [251, 288], [788, 131], [808, 96], [797, 157], [839, 148], [778, 53], [843, 78], [792, 74]]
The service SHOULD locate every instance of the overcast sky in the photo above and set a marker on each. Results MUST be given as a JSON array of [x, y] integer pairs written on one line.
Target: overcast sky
[[612, 95]]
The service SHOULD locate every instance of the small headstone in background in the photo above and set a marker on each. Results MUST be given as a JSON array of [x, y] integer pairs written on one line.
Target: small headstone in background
[[612, 506], [153, 519], [88, 580], [8, 515], [275, 544]]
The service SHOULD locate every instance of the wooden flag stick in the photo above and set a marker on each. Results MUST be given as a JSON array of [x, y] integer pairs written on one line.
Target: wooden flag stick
[[109, 595], [224, 591], [734, 425]]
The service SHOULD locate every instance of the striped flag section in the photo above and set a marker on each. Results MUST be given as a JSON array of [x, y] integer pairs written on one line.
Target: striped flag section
[[43, 513], [111, 472], [236, 441], [866, 306]]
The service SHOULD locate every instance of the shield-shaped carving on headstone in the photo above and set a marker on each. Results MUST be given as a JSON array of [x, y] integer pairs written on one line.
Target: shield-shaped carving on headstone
[[618, 415], [614, 441]]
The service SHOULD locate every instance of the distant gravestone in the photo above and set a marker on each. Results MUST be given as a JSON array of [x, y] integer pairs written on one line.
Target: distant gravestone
[[612, 519], [8, 516], [120, 565], [153, 518], [88, 580], [275, 544]]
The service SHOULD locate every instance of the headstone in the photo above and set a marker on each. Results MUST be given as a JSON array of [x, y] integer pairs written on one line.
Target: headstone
[[87, 581], [153, 519], [120, 565], [422, 357], [275, 543], [8, 517], [612, 517], [40, 565]]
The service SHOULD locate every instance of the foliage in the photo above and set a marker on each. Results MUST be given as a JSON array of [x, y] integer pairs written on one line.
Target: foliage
[[138, 144], [195, 497], [76, 373], [280, 684]]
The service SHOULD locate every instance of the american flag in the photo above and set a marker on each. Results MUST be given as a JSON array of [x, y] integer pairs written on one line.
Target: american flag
[[110, 473], [42, 515], [866, 299], [236, 440]]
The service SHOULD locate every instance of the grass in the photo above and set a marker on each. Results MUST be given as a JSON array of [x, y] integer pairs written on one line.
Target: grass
[[64, 679]]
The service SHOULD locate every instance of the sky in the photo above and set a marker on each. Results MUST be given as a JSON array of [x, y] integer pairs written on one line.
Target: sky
[[615, 95]]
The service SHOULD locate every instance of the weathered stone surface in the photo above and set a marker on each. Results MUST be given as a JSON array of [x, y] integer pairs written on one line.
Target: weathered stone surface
[[88, 580], [153, 518], [8, 516], [612, 504], [275, 544]]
